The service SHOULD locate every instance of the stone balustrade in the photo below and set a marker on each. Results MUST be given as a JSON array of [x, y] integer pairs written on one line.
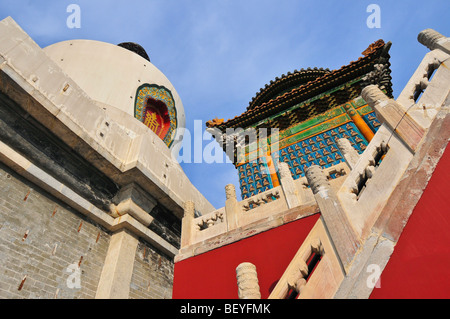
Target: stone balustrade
[[238, 214], [346, 241], [209, 220]]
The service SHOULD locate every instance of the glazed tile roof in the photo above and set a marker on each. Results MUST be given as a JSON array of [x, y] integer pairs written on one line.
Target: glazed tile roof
[[321, 80], [289, 80]]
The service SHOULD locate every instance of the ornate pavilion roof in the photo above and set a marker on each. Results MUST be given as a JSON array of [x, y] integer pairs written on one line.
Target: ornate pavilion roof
[[294, 88], [286, 83]]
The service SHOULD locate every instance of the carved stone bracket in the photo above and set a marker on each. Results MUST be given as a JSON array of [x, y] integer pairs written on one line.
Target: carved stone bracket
[[296, 279], [134, 201]]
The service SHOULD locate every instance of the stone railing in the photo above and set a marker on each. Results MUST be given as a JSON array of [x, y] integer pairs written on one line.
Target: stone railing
[[238, 214], [379, 169], [355, 207], [209, 220], [235, 214], [315, 254], [423, 94], [247, 280]]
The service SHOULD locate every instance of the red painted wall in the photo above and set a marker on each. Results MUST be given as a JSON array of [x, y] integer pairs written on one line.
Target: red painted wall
[[420, 264], [212, 275]]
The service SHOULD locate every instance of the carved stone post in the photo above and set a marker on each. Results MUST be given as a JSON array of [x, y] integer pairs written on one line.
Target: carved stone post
[[393, 114], [247, 280], [117, 270], [187, 230], [434, 40], [296, 279], [232, 207], [344, 238], [351, 156], [291, 193]]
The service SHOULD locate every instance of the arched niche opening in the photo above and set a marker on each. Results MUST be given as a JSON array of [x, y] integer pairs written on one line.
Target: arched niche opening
[[156, 117]]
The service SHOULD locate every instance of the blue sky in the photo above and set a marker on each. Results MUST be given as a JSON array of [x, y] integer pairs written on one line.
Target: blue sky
[[219, 53]]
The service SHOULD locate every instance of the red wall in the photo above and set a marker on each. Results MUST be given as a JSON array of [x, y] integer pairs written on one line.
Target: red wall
[[212, 275], [420, 264]]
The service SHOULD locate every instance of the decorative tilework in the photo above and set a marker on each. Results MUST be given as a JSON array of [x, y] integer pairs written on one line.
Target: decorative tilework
[[372, 121], [320, 149], [312, 142], [254, 178], [161, 94]]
